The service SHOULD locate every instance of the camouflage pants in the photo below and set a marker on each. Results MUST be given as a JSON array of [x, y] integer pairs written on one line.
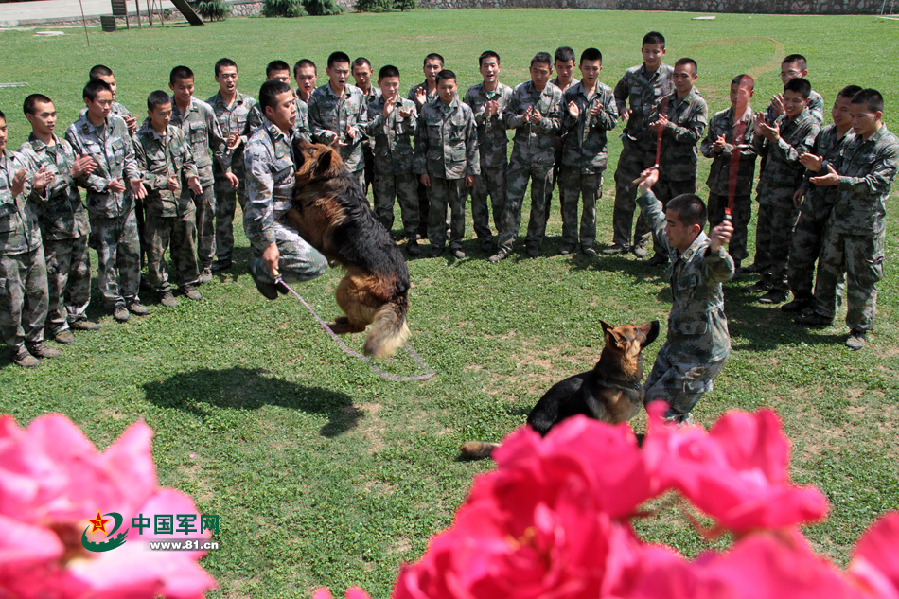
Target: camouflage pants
[[370, 174], [23, 298], [177, 234], [560, 144], [806, 248], [861, 258], [118, 257], [741, 214], [517, 175], [447, 194], [574, 183], [226, 200], [680, 383], [665, 191], [391, 188], [775, 226], [68, 281], [631, 162], [492, 182], [299, 261], [360, 177], [424, 210], [205, 204]]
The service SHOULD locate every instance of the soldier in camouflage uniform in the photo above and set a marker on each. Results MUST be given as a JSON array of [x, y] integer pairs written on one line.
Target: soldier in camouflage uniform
[[337, 113], [719, 145], [362, 72], [795, 67], [534, 112], [23, 272], [564, 79], [391, 125], [421, 94], [114, 235], [166, 164], [198, 121], [816, 207], [698, 342], [447, 160], [589, 112], [642, 87], [277, 247], [63, 221], [854, 237], [237, 118], [791, 136], [682, 124], [487, 101]]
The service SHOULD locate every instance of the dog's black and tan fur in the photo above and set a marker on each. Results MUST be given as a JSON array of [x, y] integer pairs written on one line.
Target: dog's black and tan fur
[[331, 213], [611, 392]]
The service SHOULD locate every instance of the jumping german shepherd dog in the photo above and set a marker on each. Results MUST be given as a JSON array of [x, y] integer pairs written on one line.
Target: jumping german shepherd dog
[[612, 392], [331, 213]]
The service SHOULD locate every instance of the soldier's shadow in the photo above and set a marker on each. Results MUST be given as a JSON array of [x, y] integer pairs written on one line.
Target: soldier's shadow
[[250, 389]]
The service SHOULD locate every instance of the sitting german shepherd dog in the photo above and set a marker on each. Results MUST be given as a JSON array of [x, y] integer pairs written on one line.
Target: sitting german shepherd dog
[[331, 213], [612, 392]]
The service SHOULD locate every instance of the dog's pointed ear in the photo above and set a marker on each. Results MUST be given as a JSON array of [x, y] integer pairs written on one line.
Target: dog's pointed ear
[[323, 164], [300, 146], [605, 326], [650, 332], [612, 336]]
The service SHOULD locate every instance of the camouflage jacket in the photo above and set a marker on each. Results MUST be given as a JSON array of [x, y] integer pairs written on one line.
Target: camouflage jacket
[[782, 172], [866, 173], [722, 123], [829, 147], [432, 95], [446, 142], [242, 117], [202, 131], [374, 92], [687, 119], [301, 126], [329, 117], [19, 228], [587, 143], [492, 138], [158, 158], [815, 108], [60, 211], [110, 147], [643, 91], [697, 324], [535, 144], [270, 169], [392, 137]]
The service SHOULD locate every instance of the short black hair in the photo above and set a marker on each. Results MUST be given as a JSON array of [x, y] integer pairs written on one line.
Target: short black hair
[[870, 98], [591, 54], [433, 56], [542, 57], [224, 62], [564, 54], [654, 38], [446, 75], [305, 62], [690, 209], [2, 115], [180, 72], [799, 86], [275, 66], [157, 98], [849, 91], [488, 54], [688, 61], [100, 70], [269, 90], [740, 79], [336, 57], [361, 62], [796, 58], [388, 70], [31, 101], [94, 87]]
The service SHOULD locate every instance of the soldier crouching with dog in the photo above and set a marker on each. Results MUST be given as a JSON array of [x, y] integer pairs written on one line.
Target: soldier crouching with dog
[[698, 342]]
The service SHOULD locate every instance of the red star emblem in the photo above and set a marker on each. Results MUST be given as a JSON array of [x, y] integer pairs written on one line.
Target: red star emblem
[[99, 523]]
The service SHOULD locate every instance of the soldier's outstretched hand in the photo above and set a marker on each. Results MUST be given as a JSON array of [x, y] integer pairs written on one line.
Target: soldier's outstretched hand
[[42, 178], [138, 189], [573, 109], [194, 183], [831, 178], [84, 165], [18, 182], [721, 234]]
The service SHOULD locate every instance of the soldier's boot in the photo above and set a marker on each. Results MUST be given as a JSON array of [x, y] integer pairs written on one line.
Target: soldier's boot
[[759, 287], [39, 350], [412, 247], [775, 296], [813, 320], [500, 255], [856, 339], [137, 308], [84, 325], [167, 299], [532, 251], [191, 292], [205, 275], [754, 269], [64, 337], [265, 282], [21, 357], [639, 248], [487, 245], [120, 312], [797, 305], [616, 250], [657, 260], [566, 249], [222, 266]]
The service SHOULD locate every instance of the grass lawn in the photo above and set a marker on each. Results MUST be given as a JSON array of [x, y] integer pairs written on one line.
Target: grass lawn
[[324, 474]]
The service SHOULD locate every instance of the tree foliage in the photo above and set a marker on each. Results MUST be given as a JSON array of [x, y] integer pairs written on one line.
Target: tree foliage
[[283, 8]]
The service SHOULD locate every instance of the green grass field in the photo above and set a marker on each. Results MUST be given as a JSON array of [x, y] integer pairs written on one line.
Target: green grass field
[[324, 474]]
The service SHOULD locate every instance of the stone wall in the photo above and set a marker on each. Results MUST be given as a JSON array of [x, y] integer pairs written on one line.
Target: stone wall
[[735, 6]]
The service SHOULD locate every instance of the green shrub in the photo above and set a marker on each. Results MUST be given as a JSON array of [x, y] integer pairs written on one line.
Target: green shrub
[[283, 8], [404, 4], [374, 5], [212, 10], [322, 7]]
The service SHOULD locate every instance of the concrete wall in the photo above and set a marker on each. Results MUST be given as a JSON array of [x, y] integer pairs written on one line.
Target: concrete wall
[[736, 6]]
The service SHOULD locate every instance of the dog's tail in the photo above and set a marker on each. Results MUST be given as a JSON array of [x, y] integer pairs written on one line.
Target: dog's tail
[[388, 332], [477, 450]]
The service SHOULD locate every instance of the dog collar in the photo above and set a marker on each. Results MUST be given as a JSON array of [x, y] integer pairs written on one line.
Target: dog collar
[[635, 385]]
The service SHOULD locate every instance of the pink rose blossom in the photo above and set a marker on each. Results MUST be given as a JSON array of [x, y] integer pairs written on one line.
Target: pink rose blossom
[[876, 560]]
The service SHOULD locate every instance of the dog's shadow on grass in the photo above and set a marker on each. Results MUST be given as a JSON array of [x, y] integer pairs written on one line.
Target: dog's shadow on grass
[[250, 389]]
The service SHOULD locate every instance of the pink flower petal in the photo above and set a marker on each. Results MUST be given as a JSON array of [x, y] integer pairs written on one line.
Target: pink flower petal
[[876, 560]]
